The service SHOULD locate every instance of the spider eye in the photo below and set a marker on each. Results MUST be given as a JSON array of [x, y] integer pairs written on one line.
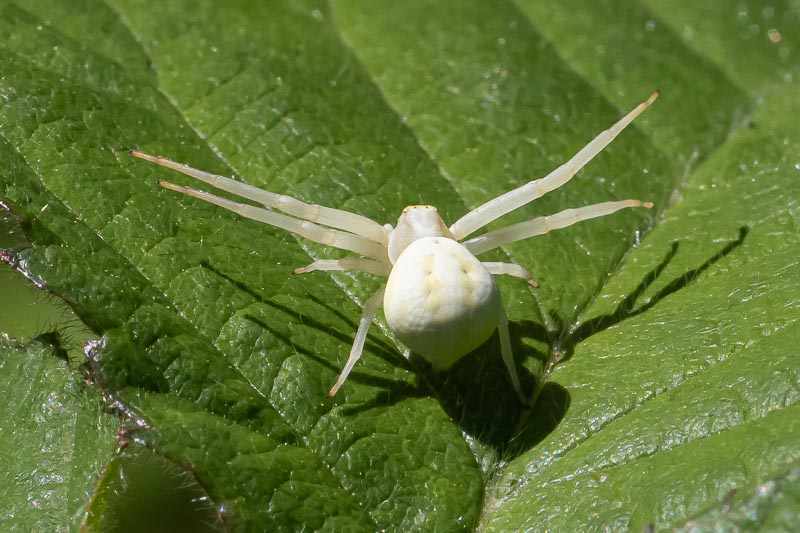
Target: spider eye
[[415, 207]]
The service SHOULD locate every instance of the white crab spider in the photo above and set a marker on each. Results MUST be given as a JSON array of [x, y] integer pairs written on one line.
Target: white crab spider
[[440, 300]]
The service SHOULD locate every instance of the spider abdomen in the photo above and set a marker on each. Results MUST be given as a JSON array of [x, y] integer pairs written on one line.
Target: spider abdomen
[[441, 301]]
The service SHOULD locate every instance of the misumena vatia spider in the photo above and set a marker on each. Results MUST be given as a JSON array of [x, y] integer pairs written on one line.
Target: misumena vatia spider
[[440, 300]]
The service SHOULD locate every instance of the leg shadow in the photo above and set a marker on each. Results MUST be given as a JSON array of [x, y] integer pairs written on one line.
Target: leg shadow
[[551, 400]]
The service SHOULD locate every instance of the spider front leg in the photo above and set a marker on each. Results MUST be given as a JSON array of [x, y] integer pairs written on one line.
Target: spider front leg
[[505, 203]]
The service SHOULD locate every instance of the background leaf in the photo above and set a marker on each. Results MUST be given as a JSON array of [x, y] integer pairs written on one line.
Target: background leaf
[[56, 439], [669, 363]]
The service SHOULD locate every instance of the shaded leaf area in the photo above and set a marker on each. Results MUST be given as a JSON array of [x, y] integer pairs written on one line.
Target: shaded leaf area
[[220, 359], [698, 391], [34, 312], [56, 439], [141, 491]]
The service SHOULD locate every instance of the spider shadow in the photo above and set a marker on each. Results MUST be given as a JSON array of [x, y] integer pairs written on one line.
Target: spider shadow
[[476, 392], [570, 337], [552, 400]]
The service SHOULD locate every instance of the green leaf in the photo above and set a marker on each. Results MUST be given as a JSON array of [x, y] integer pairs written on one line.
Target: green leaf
[[658, 348], [56, 439]]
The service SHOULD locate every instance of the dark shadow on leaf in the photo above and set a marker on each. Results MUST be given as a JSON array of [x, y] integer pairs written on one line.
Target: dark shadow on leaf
[[564, 347], [551, 400], [55, 340], [393, 392], [476, 392], [552, 404], [148, 488]]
